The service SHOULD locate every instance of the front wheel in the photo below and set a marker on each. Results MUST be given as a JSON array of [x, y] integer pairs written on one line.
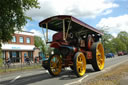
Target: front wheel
[[54, 65], [79, 64], [98, 58]]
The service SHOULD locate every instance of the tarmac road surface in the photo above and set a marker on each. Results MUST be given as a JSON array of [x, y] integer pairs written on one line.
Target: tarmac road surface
[[42, 77]]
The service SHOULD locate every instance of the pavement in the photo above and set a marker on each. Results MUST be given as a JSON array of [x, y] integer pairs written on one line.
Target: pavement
[[67, 77]]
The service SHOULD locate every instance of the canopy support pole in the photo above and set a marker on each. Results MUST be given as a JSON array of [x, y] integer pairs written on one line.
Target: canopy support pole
[[68, 29], [44, 35], [46, 32], [64, 29]]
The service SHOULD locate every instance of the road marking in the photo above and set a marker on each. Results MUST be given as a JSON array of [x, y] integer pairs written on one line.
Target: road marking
[[79, 81], [15, 79], [72, 83], [105, 69], [83, 78]]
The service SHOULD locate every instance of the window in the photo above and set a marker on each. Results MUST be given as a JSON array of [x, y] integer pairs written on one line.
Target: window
[[21, 40], [27, 40], [3, 54], [13, 54], [25, 55], [14, 39]]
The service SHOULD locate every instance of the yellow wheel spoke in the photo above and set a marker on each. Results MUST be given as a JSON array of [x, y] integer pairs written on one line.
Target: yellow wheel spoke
[[53, 64], [101, 60], [52, 67], [81, 69], [79, 63], [99, 63]]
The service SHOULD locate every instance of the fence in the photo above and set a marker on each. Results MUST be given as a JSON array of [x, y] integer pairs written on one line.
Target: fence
[[8, 65]]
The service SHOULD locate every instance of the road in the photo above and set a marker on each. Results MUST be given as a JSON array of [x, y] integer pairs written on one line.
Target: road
[[42, 77]]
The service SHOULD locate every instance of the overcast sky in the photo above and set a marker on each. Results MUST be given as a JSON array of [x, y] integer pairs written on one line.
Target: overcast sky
[[112, 14]]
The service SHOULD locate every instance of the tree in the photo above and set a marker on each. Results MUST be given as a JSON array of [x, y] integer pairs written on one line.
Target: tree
[[118, 45], [106, 40], [123, 36], [112, 44], [12, 16], [109, 48], [39, 43]]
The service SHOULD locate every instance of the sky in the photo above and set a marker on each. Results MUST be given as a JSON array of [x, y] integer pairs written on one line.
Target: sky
[[109, 14]]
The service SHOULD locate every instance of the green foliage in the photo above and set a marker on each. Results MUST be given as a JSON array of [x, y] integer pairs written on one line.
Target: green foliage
[[114, 45], [118, 45], [106, 40], [49, 50], [12, 16], [1, 61], [39, 43], [123, 36], [109, 48]]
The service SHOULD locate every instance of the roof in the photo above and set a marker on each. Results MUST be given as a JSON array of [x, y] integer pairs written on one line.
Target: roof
[[55, 23], [25, 33]]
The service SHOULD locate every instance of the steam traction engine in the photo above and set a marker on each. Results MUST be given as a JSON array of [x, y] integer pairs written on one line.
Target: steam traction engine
[[75, 45]]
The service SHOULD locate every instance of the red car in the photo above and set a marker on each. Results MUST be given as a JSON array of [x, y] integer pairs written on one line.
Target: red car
[[120, 53]]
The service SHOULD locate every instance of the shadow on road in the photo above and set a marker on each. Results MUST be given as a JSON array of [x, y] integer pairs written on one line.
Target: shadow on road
[[65, 75], [27, 80], [71, 75]]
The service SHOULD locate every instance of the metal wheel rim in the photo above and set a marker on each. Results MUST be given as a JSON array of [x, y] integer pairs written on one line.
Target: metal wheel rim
[[56, 64], [100, 56], [81, 64]]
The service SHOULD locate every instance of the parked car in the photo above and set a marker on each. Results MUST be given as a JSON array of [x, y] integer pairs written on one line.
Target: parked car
[[109, 55], [125, 53], [120, 53]]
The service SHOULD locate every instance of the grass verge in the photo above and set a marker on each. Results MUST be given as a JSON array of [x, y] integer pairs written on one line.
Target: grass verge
[[20, 68], [112, 77]]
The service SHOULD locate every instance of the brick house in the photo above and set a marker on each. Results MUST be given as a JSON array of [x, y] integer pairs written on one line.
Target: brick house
[[21, 46]]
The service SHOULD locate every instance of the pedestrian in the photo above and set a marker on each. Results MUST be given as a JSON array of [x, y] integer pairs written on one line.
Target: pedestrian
[[35, 59], [8, 62], [27, 60], [40, 59]]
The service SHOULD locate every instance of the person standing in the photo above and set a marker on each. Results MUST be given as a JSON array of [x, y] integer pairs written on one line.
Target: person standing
[[8, 62], [27, 60]]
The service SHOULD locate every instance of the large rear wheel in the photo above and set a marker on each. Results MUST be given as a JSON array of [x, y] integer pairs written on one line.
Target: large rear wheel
[[79, 64], [54, 65], [98, 58]]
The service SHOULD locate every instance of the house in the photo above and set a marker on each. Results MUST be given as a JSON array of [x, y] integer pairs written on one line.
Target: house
[[20, 47]]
